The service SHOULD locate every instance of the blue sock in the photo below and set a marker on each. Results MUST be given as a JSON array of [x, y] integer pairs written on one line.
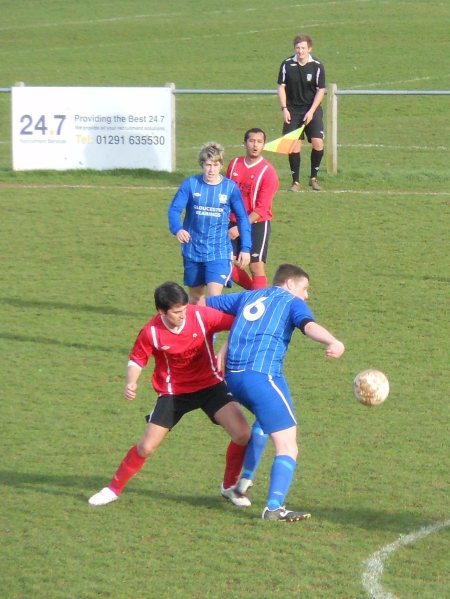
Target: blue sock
[[255, 449], [281, 476]]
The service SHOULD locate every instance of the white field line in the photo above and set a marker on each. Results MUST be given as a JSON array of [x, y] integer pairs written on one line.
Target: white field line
[[359, 146], [171, 15], [138, 42], [375, 564], [388, 192], [384, 83], [155, 15], [389, 147]]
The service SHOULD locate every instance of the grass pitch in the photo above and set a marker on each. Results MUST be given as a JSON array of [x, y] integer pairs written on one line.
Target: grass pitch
[[82, 252]]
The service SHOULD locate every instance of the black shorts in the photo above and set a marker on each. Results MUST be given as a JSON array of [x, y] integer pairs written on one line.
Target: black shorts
[[313, 129], [169, 409], [260, 242]]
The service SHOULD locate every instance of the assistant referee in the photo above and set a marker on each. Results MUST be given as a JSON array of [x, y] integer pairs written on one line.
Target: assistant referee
[[301, 88]]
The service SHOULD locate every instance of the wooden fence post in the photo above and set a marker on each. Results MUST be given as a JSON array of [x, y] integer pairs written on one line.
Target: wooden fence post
[[332, 129]]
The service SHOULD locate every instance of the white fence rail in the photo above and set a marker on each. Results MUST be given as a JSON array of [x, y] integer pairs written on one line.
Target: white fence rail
[[332, 92]]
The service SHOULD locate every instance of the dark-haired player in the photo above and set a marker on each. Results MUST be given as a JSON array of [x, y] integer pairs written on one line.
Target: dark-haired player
[[185, 377], [258, 181]]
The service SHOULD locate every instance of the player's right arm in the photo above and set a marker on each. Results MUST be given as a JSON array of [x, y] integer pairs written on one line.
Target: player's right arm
[[133, 373], [281, 93], [177, 205], [139, 355], [263, 203], [226, 303]]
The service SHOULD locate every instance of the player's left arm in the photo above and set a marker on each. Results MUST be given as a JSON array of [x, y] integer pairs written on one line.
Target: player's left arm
[[317, 332], [222, 356], [177, 205], [320, 93], [316, 103], [138, 359], [264, 198], [237, 206]]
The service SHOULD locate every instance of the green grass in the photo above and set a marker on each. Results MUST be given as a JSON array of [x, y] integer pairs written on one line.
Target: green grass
[[81, 253]]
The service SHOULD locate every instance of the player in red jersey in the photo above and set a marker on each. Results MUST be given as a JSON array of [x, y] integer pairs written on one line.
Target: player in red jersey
[[186, 377], [258, 181]]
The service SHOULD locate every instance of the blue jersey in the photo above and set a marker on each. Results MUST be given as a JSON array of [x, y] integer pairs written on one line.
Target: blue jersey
[[263, 327], [207, 213]]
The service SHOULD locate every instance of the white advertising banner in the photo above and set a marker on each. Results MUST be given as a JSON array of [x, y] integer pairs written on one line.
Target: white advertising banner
[[62, 128]]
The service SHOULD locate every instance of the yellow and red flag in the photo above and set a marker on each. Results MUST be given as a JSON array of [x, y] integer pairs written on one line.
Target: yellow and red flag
[[284, 144]]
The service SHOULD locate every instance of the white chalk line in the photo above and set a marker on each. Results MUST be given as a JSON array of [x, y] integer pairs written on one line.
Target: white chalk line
[[162, 15], [139, 41], [393, 147], [413, 80], [375, 563], [387, 192]]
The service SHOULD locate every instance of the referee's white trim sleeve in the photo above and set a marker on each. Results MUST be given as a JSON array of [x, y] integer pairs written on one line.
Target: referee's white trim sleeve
[[132, 363]]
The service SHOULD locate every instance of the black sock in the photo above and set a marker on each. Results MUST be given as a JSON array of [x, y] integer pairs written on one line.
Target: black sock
[[316, 159], [294, 163]]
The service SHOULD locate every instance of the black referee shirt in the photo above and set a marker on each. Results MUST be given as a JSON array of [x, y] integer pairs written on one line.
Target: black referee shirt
[[301, 82]]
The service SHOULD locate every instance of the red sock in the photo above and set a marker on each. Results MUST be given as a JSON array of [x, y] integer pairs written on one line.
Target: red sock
[[233, 466], [259, 282], [130, 464], [240, 277]]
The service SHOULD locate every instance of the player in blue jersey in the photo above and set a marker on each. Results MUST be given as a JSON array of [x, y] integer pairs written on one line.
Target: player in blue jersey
[[264, 322], [207, 200]]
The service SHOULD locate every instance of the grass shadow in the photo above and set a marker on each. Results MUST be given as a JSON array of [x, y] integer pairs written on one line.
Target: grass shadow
[[17, 302], [70, 485], [58, 343], [369, 519]]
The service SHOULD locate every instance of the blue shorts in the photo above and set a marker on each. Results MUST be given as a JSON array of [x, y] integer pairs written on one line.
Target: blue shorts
[[266, 396], [202, 273]]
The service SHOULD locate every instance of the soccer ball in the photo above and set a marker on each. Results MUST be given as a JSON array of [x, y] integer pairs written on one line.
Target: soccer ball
[[371, 387]]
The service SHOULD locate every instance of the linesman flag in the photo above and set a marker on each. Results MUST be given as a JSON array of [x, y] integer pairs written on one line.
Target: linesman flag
[[284, 144]]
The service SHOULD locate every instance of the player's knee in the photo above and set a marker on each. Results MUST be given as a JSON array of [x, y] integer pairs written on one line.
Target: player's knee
[[286, 447], [241, 433], [195, 298], [144, 450], [294, 453], [241, 439]]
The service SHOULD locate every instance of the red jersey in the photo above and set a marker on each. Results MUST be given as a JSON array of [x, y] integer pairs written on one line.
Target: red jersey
[[258, 183], [184, 361]]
